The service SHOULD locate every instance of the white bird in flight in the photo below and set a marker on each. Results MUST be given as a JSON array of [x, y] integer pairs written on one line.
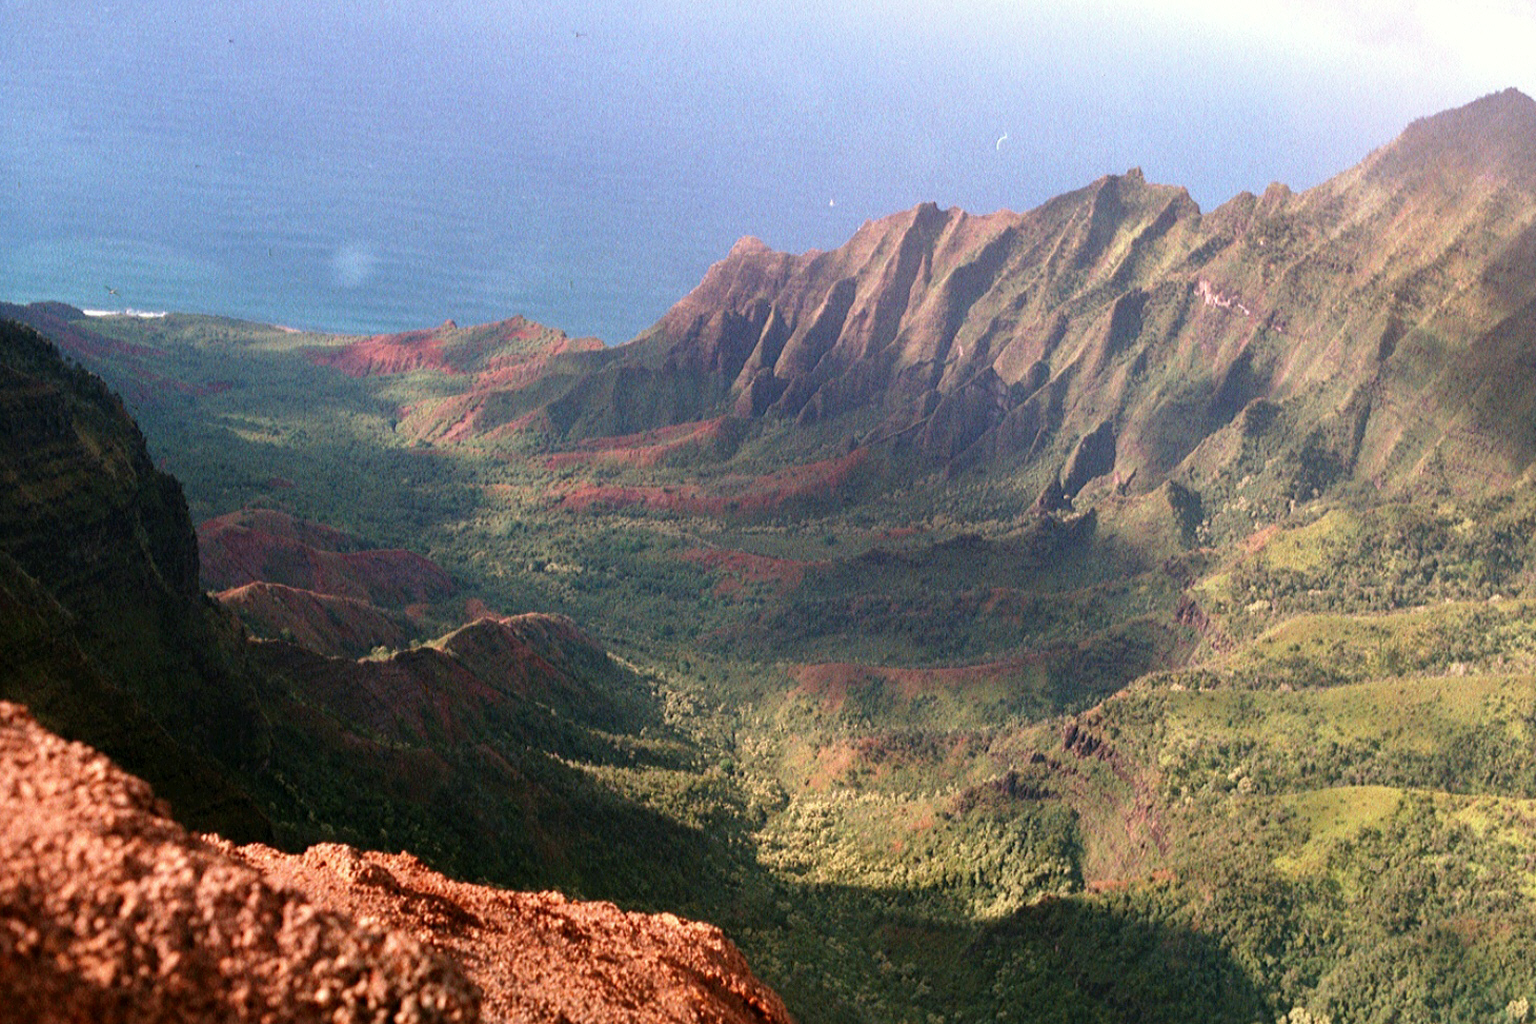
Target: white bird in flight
[[1000, 140]]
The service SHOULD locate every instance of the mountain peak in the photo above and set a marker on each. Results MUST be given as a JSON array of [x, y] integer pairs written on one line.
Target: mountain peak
[[1494, 136], [748, 245]]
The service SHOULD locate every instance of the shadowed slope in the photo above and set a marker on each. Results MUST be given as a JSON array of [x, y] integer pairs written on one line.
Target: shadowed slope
[[105, 630]]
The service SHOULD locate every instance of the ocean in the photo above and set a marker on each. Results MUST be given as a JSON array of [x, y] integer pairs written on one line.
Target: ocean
[[305, 168], [130, 183]]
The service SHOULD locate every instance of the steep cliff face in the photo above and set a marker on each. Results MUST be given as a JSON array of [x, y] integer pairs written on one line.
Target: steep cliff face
[[84, 507], [106, 631], [1383, 314], [929, 317]]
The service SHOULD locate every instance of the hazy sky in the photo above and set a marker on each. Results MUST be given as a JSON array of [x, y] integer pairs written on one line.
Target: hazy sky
[[584, 162]]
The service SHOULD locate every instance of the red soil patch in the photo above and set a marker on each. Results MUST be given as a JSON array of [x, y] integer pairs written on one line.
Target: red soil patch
[[743, 495], [388, 354], [688, 498], [833, 762], [1256, 541], [259, 545], [741, 569], [501, 357], [537, 420], [474, 608], [519, 369], [649, 448], [453, 351]]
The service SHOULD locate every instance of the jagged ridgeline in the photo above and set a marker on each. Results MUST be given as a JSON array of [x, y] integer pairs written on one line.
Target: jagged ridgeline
[[1373, 330]]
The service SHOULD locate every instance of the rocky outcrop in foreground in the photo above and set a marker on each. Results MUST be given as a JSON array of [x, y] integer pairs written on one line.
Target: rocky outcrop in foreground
[[110, 911], [539, 956]]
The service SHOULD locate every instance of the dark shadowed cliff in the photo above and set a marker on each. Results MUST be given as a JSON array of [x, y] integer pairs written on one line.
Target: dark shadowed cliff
[[106, 633]]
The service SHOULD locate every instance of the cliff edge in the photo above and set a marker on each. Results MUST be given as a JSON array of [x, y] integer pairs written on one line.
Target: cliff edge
[[110, 911]]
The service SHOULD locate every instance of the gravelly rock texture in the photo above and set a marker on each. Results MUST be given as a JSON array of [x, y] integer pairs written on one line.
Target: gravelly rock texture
[[110, 911], [539, 956]]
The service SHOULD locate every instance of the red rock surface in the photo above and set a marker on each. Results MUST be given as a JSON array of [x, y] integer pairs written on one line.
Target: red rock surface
[[265, 546], [539, 956], [390, 354], [110, 911], [494, 359], [494, 352], [648, 448]]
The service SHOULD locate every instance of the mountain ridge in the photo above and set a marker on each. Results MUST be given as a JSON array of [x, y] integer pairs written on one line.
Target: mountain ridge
[[1121, 311]]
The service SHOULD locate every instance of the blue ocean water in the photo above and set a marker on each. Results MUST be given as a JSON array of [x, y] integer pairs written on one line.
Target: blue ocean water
[[380, 167], [308, 166]]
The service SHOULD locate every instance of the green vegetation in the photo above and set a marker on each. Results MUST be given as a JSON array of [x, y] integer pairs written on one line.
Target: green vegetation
[[1224, 751]]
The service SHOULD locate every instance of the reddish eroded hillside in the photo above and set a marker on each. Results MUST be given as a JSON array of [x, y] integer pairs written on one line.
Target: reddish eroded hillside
[[494, 360], [1118, 334], [389, 353], [809, 482], [324, 623], [647, 448], [494, 350], [740, 569], [538, 956], [459, 687], [266, 546], [110, 911]]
